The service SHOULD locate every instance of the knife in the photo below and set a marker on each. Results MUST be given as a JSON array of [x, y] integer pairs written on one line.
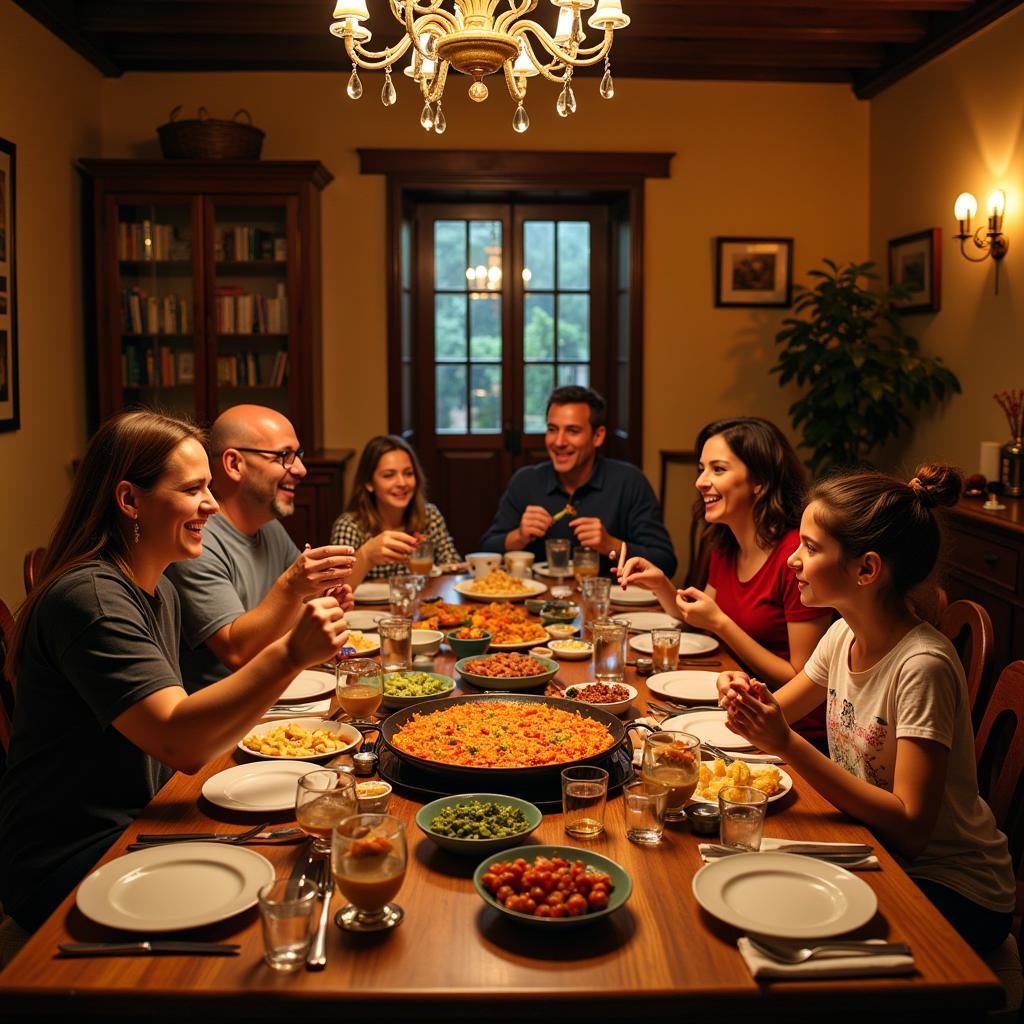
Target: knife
[[154, 947]]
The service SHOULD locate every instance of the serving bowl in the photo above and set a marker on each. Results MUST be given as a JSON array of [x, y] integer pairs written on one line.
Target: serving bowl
[[468, 648], [395, 701], [373, 796], [535, 605], [571, 650], [618, 707], [477, 847], [506, 682], [426, 641]]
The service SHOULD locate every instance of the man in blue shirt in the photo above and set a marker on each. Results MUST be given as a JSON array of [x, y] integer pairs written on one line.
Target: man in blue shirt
[[613, 501]]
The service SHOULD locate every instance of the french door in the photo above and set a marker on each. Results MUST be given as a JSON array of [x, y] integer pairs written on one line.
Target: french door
[[501, 303]]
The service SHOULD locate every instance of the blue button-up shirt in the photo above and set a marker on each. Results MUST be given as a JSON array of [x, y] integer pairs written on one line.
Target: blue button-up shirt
[[616, 492]]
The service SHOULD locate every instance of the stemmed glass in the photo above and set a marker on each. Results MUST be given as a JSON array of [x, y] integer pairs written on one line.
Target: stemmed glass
[[359, 684], [368, 860], [322, 799], [673, 759]]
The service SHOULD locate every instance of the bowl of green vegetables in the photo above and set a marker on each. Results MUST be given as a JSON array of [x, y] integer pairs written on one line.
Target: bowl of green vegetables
[[478, 824], [404, 688]]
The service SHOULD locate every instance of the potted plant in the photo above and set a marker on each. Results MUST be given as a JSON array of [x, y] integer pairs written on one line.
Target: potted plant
[[861, 370]]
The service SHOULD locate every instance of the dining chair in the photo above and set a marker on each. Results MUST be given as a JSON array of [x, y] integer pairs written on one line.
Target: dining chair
[[32, 566], [969, 629], [6, 685]]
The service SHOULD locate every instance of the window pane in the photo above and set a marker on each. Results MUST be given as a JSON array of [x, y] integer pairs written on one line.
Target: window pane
[[537, 380], [485, 326], [574, 327], [484, 255], [485, 399], [574, 373], [539, 327], [574, 254], [450, 398], [539, 253], [449, 327], [450, 254]]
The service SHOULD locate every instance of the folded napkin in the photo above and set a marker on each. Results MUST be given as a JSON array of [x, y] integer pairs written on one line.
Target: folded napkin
[[857, 965], [308, 710], [869, 862], [746, 757]]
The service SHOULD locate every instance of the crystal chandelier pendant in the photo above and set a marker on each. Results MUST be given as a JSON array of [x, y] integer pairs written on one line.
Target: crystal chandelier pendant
[[607, 89], [427, 117], [355, 85], [440, 124], [388, 96], [570, 100], [520, 120], [562, 106]]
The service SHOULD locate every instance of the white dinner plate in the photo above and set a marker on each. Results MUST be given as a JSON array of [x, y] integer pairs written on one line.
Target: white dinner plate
[[688, 685], [364, 619], [640, 622], [631, 595], [368, 646], [308, 684], [533, 588], [352, 737], [372, 593], [260, 786], [785, 781], [180, 885], [784, 895], [689, 643], [708, 727]]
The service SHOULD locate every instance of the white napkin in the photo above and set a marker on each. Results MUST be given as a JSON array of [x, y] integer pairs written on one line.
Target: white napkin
[[316, 707], [869, 862], [747, 758], [860, 964]]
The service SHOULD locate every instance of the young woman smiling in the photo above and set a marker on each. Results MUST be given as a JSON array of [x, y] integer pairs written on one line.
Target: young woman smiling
[[387, 513]]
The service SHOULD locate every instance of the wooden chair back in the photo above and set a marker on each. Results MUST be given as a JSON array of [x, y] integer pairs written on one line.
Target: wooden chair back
[[32, 567], [1000, 758], [6, 685], [969, 629]]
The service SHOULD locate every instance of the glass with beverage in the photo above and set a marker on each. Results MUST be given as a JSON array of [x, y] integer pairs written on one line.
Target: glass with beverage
[[586, 562], [421, 561], [594, 600], [359, 685], [368, 858], [558, 557], [404, 595], [609, 649], [322, 799], [665, 649], [742, 810], [673, 759], [584, 796], [395, 643]]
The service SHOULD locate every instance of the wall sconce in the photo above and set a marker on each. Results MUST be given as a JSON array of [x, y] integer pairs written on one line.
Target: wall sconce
[[991, 242]]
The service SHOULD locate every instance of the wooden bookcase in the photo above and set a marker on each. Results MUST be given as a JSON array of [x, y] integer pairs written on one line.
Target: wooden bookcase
[[207, 294]]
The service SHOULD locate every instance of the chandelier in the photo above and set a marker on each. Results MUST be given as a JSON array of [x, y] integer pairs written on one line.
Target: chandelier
[[476, 40]]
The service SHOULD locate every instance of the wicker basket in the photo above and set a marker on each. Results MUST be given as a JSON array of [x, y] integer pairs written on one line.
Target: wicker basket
[[209, 138]]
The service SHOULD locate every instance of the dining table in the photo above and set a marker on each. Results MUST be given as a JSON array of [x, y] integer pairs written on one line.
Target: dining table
[[455, 958]]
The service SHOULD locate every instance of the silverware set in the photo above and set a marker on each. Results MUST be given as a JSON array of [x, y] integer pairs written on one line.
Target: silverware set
[[785, 953], [256, 835], [316, 958], [840, 855]]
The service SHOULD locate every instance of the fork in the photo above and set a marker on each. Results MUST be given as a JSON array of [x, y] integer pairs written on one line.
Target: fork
[[785, 954], [185, 837], [316, 958]]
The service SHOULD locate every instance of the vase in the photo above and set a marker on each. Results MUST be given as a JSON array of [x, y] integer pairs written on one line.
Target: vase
[[1011, 468]]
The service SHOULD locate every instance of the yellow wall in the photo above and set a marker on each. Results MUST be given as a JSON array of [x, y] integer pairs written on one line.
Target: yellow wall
[[49, 107], [958, 125]]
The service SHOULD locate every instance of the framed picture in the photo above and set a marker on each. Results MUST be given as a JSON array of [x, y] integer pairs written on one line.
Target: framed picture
[[916, 262], [9, 408], [753, 271]]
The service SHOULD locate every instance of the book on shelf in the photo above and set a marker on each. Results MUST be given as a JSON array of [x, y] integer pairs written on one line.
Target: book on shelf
[[149, 242], [186, 367], [161, 366], [243, 244], [146, 314], [252, 369], [241, 312]]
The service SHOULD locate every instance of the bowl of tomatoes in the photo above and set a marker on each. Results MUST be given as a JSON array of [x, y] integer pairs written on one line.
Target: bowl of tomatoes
[[469, 640], [552, 886]]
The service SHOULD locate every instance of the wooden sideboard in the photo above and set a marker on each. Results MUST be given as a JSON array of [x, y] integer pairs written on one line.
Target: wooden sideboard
[[985, 563]]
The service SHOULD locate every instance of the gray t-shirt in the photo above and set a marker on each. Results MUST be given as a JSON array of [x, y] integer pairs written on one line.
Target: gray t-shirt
[[95, 646], [232, 575]]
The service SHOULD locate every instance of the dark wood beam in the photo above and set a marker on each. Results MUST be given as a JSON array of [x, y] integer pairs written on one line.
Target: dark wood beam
[[59, 17]]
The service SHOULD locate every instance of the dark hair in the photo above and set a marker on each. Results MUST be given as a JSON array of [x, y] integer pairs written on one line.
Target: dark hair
[[772, 464], [362, 506], [874, 512], [573, 394], [132, 446]]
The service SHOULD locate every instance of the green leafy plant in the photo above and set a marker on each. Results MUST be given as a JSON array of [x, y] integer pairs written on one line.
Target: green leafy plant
[[862, 371]]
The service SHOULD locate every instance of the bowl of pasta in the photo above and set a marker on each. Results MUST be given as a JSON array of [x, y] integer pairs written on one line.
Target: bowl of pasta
[[301, 739]]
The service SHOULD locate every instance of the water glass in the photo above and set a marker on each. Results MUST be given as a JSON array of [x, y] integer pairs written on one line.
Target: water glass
[[665, 649], [595, 599], [584, 796], [421, 561], [609, 649], [404, 595], [286, 913], [323, 798], [742, 809], [557, 552], [644, 807], [395, 643]]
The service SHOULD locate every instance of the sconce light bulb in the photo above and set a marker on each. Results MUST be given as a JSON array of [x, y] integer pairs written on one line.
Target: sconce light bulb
[[997, 203], [965, 207]]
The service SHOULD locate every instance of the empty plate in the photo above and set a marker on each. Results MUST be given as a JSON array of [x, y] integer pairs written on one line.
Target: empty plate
[[308, 684], [632, 595], [640, 621], [784, 895], [262, 786], [708, 727], [689, 643], [694, 687], [372, 593], [364, 620]]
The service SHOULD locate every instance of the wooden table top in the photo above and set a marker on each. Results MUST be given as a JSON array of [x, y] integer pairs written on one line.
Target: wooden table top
[[455, 957]]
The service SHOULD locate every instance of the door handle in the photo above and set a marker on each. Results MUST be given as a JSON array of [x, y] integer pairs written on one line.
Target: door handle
[[513, 440]]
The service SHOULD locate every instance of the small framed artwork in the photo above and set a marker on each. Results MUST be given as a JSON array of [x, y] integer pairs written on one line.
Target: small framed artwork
[[753, 271], [915, 263], [9, 406]]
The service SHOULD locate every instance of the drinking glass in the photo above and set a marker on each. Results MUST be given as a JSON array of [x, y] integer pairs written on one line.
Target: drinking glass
[[665, 649], [594, 600], [558, 557], [404, 595], [673, 759], [322, 799], [286, 914], [609, 649], [359, 684], [584, 795], [395, 643], [742, 809], [586, 562], [368, 858], [643, 804], [421, 561]]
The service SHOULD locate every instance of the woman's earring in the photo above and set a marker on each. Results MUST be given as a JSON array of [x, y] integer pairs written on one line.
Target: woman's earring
[[138, 531]]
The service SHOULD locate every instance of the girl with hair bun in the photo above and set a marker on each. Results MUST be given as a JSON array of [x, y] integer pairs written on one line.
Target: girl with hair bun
[[899, 725]]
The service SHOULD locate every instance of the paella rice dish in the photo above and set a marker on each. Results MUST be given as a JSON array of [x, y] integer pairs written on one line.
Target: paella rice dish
[[495, 734]]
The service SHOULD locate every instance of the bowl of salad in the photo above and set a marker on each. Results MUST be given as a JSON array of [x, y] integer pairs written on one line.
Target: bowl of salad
[[478, 824], [404, 688]]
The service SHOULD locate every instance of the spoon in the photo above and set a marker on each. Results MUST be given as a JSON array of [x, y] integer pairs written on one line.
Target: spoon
[[801, 954]]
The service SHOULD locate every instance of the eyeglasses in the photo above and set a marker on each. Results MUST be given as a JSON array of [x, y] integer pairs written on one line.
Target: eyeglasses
[[285, 456]]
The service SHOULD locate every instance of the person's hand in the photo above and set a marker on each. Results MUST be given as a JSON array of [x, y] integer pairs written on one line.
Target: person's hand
[[389, 546], [535, 522], [344, 595], [318, 633], [755, 714], [700, 611], [639, 572], [729, 684], [317, 570], [590, 533]]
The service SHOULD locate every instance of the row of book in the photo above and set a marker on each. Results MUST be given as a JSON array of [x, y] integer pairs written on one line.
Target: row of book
[[156, 367], [242, 244], [142, 313], [241, 312], [145, 240], [253, 369]]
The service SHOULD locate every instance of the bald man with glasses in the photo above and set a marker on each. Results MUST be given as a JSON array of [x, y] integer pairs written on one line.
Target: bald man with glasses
[[247, 587]]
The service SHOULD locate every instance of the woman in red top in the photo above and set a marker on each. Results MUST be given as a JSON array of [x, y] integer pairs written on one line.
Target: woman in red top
[[751, 485]]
